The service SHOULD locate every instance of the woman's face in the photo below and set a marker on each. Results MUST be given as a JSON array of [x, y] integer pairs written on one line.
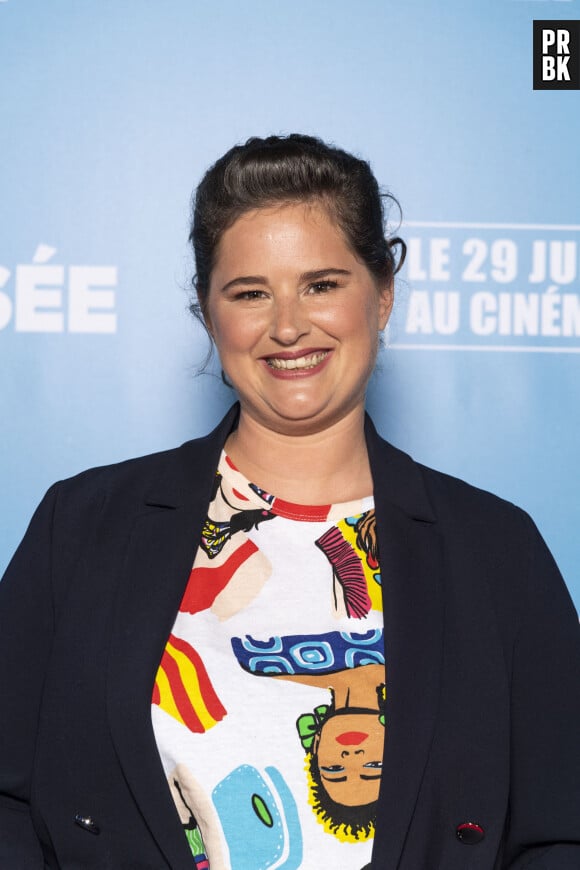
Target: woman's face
[[295, 317], [350, 752]]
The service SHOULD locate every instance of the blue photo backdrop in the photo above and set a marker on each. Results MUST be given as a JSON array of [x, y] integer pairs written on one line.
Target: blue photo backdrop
[[110, 113]]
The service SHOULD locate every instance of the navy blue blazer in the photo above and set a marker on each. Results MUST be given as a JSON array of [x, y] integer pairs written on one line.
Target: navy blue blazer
[[483, 659]]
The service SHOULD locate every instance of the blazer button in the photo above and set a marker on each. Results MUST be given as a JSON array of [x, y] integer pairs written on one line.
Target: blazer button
[[469, 833], [87, 823]]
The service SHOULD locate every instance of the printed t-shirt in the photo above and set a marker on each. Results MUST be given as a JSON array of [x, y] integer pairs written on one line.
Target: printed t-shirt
[[268, 705]]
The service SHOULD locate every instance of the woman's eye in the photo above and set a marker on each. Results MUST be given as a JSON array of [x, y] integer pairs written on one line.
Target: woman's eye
[[250, 294], [333, 768], [376, 765], [322, 286]]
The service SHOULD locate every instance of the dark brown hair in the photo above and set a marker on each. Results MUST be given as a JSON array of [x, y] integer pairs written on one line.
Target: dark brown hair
[[294, 168]]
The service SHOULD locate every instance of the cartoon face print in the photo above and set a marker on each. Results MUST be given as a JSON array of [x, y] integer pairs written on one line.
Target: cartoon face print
[[344, 751], [344, 739], [349, 752]]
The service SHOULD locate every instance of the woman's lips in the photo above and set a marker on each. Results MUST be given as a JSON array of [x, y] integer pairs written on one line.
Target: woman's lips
[[301, 362], [292, 365]]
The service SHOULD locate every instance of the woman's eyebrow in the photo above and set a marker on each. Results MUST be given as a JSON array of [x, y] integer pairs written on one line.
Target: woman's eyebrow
[[374, 776], [322, 273], [333, 778], [244, 280]]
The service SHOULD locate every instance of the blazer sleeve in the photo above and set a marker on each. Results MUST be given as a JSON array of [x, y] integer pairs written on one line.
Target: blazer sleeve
[[544, 812], [26, 630]]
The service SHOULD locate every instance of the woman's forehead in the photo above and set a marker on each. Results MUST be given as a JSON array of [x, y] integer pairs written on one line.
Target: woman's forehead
[[297, 230]]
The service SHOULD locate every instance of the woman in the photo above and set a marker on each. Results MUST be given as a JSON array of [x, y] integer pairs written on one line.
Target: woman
[[167, 622]]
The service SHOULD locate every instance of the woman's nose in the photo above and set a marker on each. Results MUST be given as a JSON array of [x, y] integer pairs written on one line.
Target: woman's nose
[[288, 322]]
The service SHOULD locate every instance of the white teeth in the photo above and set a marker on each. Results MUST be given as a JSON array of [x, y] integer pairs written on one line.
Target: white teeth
[[303, 362]]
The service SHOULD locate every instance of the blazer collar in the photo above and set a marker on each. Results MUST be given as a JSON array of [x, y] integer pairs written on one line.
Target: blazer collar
[[162, 546], [191, 467], [404, 486]]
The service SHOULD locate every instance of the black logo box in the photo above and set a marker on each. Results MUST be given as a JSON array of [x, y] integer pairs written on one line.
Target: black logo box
[[560, 42]]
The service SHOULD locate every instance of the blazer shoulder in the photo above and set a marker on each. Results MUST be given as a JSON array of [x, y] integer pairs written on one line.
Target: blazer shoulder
[[134, 471], [427, 493], [475, 526], [454, 494], [168, 476], [487, 523]]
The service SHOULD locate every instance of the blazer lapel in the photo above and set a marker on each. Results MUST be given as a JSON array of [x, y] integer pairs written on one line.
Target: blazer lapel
[[164, 539], [411, 567]]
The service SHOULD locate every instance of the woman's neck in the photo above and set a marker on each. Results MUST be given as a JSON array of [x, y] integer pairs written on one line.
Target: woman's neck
[[325, 467]]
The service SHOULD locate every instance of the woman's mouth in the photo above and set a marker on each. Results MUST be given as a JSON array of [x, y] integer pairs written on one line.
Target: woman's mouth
[[309, 361]]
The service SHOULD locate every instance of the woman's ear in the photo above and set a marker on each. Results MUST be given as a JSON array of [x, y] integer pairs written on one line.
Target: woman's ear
[[386, 299], [203, 309]]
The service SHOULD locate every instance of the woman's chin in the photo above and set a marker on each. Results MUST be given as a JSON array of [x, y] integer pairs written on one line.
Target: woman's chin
[[298, 417]]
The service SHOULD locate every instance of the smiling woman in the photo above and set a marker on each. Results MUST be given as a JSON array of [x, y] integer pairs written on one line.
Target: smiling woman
[[299, 342], [295, 282], [166, 622]]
